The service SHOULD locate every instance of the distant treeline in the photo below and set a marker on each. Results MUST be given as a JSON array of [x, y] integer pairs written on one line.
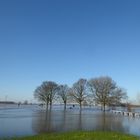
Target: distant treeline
[[7, 102], [135, 105]]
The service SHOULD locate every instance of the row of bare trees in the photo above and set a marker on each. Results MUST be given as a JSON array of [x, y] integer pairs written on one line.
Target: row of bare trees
[[102, 90]]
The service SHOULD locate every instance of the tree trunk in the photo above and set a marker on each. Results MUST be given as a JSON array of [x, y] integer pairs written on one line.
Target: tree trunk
[[47, 105], [65, 105], [80, 105], [50, 104], [104, 107]]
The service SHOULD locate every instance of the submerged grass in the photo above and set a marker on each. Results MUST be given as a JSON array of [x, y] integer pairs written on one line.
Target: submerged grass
[[82, 135]]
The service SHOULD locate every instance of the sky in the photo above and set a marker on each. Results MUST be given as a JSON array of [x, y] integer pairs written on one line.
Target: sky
[[64, 40]]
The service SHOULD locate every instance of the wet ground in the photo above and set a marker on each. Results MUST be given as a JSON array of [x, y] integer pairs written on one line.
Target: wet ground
[[30, 120]]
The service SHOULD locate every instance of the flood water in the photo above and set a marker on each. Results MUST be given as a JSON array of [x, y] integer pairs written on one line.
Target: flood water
[[31, 120]]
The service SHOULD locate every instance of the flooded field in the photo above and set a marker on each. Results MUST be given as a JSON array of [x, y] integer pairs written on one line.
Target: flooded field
[[31, 120]]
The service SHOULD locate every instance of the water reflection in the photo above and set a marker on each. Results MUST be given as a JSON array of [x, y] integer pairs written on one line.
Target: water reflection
[[42, 123], [56, 121], [33, 120]]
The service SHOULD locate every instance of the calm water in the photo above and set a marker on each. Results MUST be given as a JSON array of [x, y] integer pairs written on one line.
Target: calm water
[[30, 120]]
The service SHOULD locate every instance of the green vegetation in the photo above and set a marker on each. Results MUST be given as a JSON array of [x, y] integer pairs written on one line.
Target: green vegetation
[[81, 136]]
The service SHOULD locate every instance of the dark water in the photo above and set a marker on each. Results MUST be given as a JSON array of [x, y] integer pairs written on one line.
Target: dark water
[[30, 120]]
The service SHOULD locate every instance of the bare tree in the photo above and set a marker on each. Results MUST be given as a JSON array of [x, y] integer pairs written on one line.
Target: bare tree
[[117, 96], [105, 91], [46, 92], [79, 91], [52, 89], [63, 92], [41, 95]]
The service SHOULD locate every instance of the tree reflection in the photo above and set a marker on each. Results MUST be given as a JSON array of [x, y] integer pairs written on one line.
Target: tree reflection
[[109, 122], [42, 122], [66, 120], [80, 120]]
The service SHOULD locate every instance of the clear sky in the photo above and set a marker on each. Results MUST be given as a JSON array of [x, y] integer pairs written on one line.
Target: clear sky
[[64, 40]]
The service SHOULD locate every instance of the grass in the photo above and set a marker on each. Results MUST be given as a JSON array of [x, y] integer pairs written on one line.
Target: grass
[[82, 135]]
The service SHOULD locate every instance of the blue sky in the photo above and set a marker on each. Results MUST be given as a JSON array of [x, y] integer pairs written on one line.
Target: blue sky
[[64, 40]]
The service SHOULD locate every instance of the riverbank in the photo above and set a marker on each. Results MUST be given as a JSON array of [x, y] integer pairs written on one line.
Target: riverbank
[[83, 135]]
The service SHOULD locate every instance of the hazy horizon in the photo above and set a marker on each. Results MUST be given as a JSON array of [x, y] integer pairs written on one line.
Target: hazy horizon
[[63, 41]]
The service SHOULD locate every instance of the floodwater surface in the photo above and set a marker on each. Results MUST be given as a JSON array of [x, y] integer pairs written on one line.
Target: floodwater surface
[[31, 120]]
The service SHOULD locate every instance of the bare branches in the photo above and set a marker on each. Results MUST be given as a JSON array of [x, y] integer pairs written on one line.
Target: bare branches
[[101, 90], [46, 92], [105, 91], [63, 91], [79, 91]]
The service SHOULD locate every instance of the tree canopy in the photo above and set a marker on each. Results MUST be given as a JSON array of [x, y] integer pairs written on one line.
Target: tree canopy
[[102, 90], [46, 92], [106, 91]]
